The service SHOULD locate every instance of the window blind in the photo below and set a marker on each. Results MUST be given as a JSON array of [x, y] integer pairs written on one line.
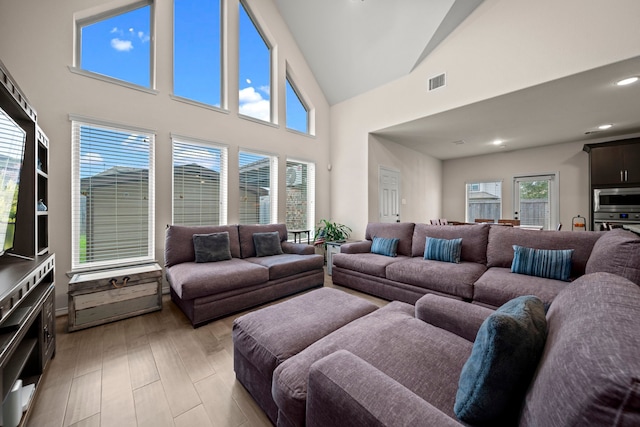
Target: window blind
[[301, 190], [112, 195], [12, 141], [258, 191], [199, 183]]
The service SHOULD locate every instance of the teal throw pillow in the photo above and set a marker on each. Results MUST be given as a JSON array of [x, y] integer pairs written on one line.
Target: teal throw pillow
[[267, 244], [552, 264], [385, 246], [504, 357], [212, 247], [443, 249]]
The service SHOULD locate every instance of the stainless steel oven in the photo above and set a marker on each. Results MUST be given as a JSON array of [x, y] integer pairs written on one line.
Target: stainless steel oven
[[615, 207]]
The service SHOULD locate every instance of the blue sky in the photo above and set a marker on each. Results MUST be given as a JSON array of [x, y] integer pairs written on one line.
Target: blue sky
[[119, 47]]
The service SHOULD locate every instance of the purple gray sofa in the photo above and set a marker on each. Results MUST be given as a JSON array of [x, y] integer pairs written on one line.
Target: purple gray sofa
[[483, 275], [207, 290]]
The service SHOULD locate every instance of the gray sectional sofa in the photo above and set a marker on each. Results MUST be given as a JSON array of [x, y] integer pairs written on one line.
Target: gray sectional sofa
[[207, 290], [483, 275]]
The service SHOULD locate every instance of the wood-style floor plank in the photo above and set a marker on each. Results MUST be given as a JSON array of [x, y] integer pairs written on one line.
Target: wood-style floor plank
[[152, 408], [84, 397]]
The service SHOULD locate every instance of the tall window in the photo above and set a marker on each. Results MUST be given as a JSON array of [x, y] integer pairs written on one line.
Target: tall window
[[484, 200], [199, 183], [258, 188], [297, 111], [254, 69], [301, 189], [118, 44], [112, 195], [197, 50], [536, 200]]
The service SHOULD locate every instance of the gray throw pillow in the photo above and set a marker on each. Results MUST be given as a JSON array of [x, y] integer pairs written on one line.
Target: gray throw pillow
[[504, 357], [212, 247], [267, 244]]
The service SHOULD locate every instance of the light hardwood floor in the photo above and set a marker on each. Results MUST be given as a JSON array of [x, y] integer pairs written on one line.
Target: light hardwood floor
[[151, 370]]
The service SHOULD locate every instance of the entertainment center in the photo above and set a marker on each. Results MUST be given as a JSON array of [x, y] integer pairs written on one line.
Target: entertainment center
[[27, 269]]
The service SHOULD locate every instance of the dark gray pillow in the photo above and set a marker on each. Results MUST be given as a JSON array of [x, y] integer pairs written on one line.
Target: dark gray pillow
[[267, 244], [212, 247]]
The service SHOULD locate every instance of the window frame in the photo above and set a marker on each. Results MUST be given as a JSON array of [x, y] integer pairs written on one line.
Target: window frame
[[273, 184], [76, 123], [289, 81]]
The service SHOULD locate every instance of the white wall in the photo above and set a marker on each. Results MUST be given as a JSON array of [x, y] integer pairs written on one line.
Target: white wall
[[36, 44], [505, 45]]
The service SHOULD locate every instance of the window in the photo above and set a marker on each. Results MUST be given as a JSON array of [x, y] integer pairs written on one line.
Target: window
[[199, 183], [254, 69], [258, 188], [301, 189], [118, 44], [536, 200], [112, 195], [297, 112], [197, 50], [484, 200]]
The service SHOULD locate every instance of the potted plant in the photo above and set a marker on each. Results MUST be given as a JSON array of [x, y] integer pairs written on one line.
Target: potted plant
[[329, 231]]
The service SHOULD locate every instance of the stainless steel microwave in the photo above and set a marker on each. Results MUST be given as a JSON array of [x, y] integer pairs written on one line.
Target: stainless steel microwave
[[616, 200]]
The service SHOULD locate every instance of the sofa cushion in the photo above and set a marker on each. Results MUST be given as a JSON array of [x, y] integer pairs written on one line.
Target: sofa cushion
[[447, 250], [366, 263], [385, 246], [212, 247], [178, 245], [286, 265], [552, 264], [502, 239], [498, 285], [193, 280], [504, 357], [618, 252], [267, 244], [474, 239], [403, 231], [246, 232], [589, 373]]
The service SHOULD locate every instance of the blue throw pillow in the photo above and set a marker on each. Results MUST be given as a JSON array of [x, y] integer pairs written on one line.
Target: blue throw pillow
[[443, 249], [212, 247], [385, 246], [267, 244], [552, 264], [504, 357]]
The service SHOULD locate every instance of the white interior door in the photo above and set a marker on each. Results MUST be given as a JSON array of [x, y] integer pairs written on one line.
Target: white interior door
[[389, 195], [536, 200]]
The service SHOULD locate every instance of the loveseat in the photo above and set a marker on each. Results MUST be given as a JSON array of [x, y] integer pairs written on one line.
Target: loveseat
[[235, 278], [483, 274]]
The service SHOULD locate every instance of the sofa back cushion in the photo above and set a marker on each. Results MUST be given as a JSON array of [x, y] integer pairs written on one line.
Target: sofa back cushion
[[247, 247], [398, 230], [589, 373], [474, 239], [618, 251], [178, 246], [502, 238]]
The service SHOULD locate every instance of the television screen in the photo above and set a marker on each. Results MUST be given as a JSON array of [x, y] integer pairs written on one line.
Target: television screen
[[12, 140]]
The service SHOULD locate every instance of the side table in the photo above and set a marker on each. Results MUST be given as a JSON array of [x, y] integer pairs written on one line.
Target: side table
[[332, 248]]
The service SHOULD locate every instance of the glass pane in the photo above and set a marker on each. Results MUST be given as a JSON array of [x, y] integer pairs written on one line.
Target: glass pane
[[534, 207], [197, 63], [484, 201], [297, 116], [254, 69], [255, 188], [299, 196], [119, 47]]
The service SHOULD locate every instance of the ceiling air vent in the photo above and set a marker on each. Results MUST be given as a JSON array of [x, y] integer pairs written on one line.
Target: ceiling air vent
[[437, 81]]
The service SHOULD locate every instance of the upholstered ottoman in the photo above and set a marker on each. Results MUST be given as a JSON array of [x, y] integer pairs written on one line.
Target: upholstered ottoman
[[267, 337]]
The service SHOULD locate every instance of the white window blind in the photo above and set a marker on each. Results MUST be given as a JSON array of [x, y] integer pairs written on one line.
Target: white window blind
[[301, 190], [112, 195], [258, 188], [199, 183], [12, 140]]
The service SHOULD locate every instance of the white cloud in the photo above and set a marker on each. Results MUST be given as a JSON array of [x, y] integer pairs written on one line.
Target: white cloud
[[143, 37], [265, 89], [91, 159], [121, 45], [115, 30], [252, 104], [248, 81]]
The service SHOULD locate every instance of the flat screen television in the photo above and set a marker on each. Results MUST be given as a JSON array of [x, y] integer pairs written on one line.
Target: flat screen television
[[12, 142]]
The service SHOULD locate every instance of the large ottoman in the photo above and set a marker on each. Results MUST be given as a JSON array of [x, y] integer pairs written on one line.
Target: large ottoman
[[265, 338]]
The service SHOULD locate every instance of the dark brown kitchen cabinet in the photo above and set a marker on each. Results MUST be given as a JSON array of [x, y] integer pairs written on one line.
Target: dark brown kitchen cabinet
[[615, 164]]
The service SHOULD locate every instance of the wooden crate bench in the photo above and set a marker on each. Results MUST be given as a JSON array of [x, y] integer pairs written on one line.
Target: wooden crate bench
[[105, 296]]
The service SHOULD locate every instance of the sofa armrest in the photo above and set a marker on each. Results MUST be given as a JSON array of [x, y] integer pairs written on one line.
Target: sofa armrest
[[459, 317], [360, 247], [344, 390], [297, 248]]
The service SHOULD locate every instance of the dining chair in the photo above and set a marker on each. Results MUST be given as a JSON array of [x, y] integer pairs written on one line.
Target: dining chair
[[511, 222]]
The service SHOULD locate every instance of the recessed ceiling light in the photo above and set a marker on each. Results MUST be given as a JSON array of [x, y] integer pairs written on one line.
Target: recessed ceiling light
[[628, 81], [497, 142], [607, 126]]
